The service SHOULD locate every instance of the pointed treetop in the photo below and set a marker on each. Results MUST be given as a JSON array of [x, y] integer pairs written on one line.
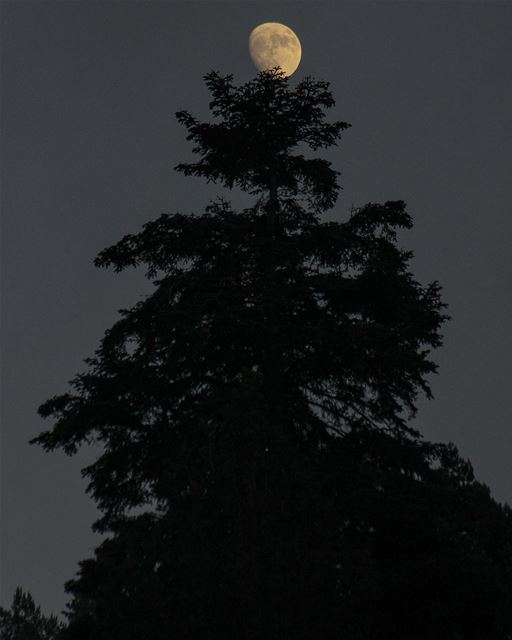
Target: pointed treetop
[[261, 129]]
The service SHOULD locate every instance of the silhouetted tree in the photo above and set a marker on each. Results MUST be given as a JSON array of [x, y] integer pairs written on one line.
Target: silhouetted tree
[[24, 620], [258, 466], [427, 551]]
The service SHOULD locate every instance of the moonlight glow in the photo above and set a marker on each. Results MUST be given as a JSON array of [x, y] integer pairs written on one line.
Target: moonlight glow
[[275, 45]]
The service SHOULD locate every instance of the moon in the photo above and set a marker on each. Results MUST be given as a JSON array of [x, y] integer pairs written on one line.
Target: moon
[[273, 44]]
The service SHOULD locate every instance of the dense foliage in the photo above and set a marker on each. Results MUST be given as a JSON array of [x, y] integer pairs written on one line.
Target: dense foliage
[[258, 476], [24, 620]]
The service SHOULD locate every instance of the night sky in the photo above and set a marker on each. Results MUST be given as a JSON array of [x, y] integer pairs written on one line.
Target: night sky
[[89, 142]]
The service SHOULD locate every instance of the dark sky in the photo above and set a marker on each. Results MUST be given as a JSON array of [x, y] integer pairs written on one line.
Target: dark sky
[[89, 141]]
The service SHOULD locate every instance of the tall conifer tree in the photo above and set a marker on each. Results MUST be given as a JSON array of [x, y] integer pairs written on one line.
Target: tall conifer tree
[[253, 409]]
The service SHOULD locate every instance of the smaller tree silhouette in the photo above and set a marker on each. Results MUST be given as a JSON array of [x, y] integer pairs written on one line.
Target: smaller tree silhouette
[[24, 620]]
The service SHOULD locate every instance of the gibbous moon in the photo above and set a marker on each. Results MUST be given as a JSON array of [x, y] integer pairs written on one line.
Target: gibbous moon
[[272, 44]]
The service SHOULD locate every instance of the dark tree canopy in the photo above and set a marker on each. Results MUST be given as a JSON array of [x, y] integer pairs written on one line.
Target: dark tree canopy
[[261, 123], [258, 475], [24, 620]]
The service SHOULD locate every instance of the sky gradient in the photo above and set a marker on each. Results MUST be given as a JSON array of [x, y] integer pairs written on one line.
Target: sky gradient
[[89, 142]]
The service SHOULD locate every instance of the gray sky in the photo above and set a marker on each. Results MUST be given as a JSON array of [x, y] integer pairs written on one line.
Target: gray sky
[[89, 141]]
